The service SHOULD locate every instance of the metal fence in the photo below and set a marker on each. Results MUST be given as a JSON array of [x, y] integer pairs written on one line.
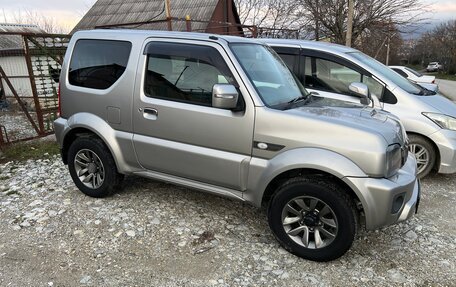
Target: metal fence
[[28, 84]]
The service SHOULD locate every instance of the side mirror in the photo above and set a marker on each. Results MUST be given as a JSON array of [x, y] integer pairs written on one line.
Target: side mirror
[[224, 96], [362, 91]]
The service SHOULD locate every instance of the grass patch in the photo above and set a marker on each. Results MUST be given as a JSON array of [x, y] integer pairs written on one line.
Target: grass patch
[[29, 150], [445, 76], [415, 67]]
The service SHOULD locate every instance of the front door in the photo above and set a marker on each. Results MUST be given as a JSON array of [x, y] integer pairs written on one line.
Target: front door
[[176, 129]]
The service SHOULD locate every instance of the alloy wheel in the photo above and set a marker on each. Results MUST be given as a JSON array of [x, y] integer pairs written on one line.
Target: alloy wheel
[[421, 154], [309, 222], [89, 168]]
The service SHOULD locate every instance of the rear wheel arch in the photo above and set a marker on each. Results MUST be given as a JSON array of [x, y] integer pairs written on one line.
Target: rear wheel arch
[[75, 133]]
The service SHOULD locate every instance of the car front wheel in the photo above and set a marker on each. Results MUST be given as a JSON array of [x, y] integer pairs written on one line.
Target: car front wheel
[[313, 218], [424, 152]]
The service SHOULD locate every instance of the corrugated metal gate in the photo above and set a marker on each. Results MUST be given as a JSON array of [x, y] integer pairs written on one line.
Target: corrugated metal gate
[[28, 85]]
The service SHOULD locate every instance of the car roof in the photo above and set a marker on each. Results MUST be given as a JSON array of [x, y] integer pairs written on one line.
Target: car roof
[[166, 34], [314, 45]]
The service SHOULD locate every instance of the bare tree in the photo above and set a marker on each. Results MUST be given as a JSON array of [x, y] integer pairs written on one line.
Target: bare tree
[[383, 42], [48, 24], [332, 15], [437, 45], [274, 16]]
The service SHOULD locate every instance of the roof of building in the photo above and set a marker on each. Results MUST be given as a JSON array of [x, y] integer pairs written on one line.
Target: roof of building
[[111, 12], [12, 42]]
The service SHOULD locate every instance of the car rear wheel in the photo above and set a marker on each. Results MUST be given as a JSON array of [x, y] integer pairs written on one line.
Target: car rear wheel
[[313, 218], [92, 167], [424, 152]]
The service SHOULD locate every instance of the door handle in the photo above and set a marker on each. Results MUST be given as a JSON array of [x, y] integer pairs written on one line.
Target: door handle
[[150, 113]]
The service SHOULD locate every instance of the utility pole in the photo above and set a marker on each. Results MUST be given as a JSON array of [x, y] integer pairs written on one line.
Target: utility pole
[[317, 24], [168, 14], [387, 50], [348, 37]]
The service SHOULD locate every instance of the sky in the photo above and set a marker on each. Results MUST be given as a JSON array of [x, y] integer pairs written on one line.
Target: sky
[[442, 9], [68, 12]]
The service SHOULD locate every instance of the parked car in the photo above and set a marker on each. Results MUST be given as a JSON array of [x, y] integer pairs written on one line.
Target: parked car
[[225, 115], [429, 118], [425, 81], [434, 66]]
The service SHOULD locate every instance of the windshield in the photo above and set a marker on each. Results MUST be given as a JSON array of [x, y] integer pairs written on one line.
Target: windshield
[[413, 72], [275, 83], [386, 72]]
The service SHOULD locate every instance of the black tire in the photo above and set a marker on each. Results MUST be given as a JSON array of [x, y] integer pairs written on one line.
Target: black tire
[[111, 180], [327, 192], [424, 143]]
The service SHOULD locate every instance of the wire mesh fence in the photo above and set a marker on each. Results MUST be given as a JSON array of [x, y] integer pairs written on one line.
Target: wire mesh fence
[[29, 74]]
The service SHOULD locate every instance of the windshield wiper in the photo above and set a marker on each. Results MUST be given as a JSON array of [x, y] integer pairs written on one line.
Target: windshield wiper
[[303, 99], [298, 99], [425, 92]]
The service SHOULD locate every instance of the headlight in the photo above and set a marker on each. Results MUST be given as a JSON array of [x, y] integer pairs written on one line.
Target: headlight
[[443, 121], [393, 159]]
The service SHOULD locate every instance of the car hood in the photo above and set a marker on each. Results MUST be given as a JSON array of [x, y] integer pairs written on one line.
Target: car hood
[[356, 116], [440, 103]]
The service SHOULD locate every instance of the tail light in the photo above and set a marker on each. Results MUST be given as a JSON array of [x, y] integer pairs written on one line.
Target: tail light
[[59, 109]]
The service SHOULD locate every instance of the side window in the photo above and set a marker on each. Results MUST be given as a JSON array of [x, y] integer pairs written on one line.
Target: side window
[[290, 56], [375, 87], [326, 75], [98, 64], [329, 76], [290, 60], [400, 72], [184, 72]]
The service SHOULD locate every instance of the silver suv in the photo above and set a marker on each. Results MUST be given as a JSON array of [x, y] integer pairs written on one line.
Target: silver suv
[[226, 116]]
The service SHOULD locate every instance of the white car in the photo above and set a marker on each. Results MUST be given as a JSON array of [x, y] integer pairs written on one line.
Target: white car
[[434, 66], [426, 81]]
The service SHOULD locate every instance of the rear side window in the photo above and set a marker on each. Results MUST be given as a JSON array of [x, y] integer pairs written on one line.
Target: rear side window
[[98, 64], [400, 72]]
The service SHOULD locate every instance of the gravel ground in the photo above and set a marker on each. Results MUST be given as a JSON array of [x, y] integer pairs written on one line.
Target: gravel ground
[[17, 125], [157, 234]]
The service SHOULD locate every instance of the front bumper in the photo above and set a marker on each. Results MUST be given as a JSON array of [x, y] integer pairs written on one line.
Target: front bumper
[[446, 144], [391, 200]]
